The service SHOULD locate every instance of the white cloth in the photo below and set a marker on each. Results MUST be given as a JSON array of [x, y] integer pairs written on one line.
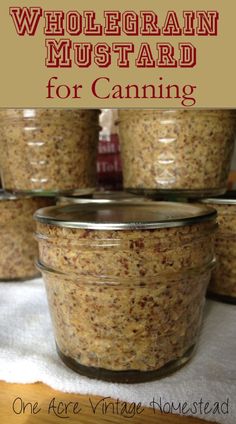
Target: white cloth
[[27, 355]]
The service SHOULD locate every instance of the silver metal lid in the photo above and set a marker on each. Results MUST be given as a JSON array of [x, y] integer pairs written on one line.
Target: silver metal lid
[[100, 197], [125, 216], [228, 198]]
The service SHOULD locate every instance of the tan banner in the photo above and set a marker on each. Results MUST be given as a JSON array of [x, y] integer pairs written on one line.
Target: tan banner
[[118, 54]]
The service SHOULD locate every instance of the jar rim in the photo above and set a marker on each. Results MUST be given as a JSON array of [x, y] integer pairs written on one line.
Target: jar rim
[[28, 115], [125, 215], [125, 114], [229, 198]]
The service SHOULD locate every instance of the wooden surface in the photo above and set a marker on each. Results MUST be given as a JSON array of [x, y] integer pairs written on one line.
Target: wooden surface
[[43, 395]]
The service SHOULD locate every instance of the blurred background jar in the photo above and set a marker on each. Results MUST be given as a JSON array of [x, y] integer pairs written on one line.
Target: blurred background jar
[[109, 171], [177, 151], [45, 151], [17, 244], [223, 281]]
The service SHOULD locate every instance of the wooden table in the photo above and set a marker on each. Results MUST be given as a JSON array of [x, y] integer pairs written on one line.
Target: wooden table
[[37, 398]]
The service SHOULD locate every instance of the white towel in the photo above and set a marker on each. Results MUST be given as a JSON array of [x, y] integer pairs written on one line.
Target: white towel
[[28, 355]]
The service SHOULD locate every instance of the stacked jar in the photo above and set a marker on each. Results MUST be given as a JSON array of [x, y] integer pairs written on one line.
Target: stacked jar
[[180, 152], [223, 281], [48, 151], [185, 154], [43, 152], [17, 244]]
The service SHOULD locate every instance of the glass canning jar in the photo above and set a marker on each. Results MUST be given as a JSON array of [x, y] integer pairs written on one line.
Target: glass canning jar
[[45, 151], [126, 284], [18, 248], [223, 282], [183, 152]]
